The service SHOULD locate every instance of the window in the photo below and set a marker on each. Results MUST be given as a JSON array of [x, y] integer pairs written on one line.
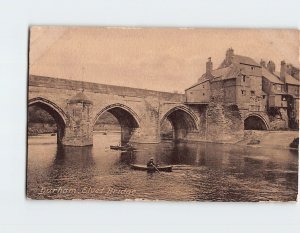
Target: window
[[264, 96], [278, 87], [244, 78], [243, 92], [203, 94], [252, 68], [252, 93]]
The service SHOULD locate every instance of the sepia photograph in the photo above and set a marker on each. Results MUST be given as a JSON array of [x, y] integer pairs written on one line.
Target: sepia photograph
[[162, 114]]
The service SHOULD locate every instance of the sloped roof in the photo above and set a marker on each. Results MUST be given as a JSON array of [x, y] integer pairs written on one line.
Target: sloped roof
[[244, 60], [271, 77], [222, 72], [291, 80], [80, 97], [198, 83], [288, 79], [228, 72]]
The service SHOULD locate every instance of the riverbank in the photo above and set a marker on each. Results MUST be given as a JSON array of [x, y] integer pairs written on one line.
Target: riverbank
[[274, 139]]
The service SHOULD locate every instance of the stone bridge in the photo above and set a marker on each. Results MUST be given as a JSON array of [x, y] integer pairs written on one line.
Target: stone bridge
[[76, 106]]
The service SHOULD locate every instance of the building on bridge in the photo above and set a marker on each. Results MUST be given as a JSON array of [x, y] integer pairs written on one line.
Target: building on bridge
[[283, 94], [265, 98], [240, 94]]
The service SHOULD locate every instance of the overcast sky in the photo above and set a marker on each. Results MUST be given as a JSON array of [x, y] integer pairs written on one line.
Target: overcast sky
[[158, 59]]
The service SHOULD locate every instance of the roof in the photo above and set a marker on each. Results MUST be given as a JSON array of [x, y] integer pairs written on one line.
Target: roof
[[222, 72], [271, 77], [198, 83], [80, 97], [289, 79], [228, 72], [244, 60]]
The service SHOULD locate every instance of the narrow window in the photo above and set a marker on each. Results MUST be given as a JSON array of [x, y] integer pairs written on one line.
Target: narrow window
[[244, 78]]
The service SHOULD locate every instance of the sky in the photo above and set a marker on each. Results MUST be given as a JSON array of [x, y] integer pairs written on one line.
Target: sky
[[162, 59]]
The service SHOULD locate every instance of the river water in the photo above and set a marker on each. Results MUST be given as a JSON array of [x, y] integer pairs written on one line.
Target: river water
[[201, 172]]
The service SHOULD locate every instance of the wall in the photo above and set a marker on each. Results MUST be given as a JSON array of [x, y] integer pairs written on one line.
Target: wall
[[256, 101], [293, 90], [224, 123], [64, 84], [277, 101], [199, 93], [230, 91], [250, 70]]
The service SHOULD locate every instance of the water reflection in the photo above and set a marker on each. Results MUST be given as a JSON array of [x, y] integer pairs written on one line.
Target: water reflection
[[201, 171]]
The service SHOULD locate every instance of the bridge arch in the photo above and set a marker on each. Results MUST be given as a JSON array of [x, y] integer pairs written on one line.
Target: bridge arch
[[255, 121], [183, 121], [55, 111], [127, 118]]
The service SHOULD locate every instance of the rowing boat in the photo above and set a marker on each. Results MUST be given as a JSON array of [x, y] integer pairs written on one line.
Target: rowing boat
[[124, 148], [151, 169]]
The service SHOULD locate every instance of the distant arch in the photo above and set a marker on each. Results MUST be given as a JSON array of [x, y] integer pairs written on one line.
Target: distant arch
[[254, 121], [127, 118], [119, 106], [55, 111], [183, 121]]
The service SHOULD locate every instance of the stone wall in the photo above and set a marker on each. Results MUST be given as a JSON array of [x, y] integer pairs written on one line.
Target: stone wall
[[224, 123]]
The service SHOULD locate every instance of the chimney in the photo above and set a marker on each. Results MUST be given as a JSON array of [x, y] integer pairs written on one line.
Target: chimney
[[271, 66], [283, 71], [229, 56], [209, 66], [262, 63]]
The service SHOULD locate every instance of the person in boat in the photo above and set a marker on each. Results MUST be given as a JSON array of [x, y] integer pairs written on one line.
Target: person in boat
[[151, 163]]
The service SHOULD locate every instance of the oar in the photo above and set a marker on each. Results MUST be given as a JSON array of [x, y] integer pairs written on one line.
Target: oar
[[155, 168]]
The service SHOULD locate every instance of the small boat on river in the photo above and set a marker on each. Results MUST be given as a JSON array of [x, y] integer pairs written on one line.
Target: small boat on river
[[123, 148], [151, 169]]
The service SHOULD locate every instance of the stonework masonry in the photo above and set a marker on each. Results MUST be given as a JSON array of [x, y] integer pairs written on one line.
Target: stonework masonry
[[238, 95]]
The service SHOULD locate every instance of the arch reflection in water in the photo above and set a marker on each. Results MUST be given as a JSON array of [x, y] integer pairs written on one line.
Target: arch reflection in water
[[201, 171]]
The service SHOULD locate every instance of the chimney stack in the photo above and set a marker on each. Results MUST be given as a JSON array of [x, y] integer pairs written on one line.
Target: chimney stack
[[209, 66], [271, 66], [229, 56], [262, 63], [283, 71]]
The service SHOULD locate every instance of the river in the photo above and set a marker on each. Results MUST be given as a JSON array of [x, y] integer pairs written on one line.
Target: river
[[201, 171]]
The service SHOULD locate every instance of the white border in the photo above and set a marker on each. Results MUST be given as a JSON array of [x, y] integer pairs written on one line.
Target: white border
[[20, 215]]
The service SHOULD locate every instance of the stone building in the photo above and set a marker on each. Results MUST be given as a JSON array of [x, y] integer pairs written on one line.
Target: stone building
[[264, 98], [283, 94]]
